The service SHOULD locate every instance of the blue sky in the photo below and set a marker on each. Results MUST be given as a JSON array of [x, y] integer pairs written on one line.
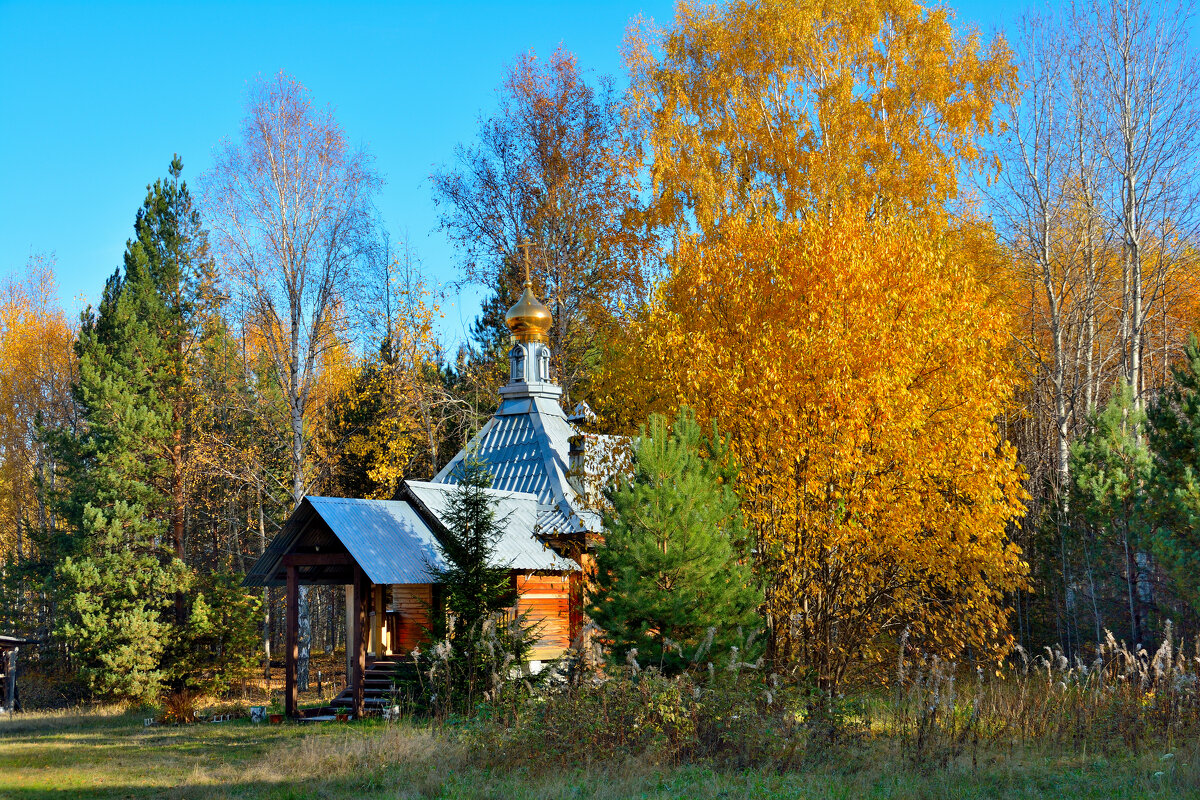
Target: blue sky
[[96, 97]]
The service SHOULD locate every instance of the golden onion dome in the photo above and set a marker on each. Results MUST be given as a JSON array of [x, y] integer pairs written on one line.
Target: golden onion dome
[[528, 320]]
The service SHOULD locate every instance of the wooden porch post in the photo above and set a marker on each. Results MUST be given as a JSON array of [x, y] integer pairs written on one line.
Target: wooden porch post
[[359, 643], [293, 623], [10, 682], [377, 630], [350, 616]]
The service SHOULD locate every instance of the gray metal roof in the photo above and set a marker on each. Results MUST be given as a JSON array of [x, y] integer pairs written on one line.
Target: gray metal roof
[[516, 512], [388, 538], [527, 446], [393, 542]]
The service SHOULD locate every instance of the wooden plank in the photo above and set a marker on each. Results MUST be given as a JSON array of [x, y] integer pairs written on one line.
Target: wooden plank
[[361, 598], [546, 602], [575, 606], [377, 628], [411, 603], [349, 617], [293, 623]]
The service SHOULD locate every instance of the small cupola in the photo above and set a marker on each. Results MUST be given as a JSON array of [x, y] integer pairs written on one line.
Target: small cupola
[[529, 357], [528, 320]]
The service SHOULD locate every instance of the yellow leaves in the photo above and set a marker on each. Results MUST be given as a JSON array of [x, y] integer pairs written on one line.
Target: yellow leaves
[[856, 363], [780, 107], [37, 362]]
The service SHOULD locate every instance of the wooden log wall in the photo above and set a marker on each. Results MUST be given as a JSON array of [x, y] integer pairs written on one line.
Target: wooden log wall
[[408, 616], [547, 599]]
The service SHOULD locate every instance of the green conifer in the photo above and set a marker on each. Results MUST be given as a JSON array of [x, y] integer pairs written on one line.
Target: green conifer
[[122, 485], [669, 568], [114, 585], [1174, 441], [1109, 469], [471, 583]]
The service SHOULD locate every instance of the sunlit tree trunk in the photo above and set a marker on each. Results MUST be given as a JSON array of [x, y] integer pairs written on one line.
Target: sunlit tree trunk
[[291, 204]]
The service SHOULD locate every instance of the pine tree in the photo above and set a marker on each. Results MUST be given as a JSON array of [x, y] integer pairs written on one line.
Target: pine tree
[[1110, 467], [1173, 436], [171, 278], [113, 586], [473, 585], [125, 466], [669, 568]]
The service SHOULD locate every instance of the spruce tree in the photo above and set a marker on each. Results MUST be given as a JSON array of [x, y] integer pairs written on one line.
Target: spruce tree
[[669, 567], [472, 584], [1174, 441]]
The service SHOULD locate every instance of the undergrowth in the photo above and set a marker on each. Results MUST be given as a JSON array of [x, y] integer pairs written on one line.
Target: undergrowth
[[729, 713]]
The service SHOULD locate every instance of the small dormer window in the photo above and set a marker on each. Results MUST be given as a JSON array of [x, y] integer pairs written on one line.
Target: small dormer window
[[517, 358]]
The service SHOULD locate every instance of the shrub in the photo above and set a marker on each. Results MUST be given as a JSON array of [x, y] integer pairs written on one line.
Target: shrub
[[179, 707]]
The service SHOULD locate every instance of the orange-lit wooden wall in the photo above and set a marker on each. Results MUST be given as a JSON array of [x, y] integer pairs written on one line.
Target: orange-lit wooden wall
[[547, 599]]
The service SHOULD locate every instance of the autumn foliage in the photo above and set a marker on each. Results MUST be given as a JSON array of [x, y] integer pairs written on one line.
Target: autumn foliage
[[772, 225], [779, 107], [37, 363], [818, 310], [856, 368]]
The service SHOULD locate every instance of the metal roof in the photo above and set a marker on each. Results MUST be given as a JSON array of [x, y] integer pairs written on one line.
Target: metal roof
[[394, 543], [388, 538], [516, 512], [527, 446]]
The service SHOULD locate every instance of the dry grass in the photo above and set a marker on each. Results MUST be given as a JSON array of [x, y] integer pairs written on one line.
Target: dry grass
[[44, 722], [111, 756], [1120, 699], [1123, 725]]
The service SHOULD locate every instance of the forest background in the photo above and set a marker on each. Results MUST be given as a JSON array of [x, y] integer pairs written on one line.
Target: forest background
[[932, 287]]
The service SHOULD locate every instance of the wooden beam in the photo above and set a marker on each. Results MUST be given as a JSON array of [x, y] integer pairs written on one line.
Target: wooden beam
[[317, 560], [349, 617], [377, 628], [293, 625], [10, 681], [361, 599]]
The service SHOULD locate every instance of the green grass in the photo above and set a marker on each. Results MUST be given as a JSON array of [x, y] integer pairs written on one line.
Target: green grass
[[98, 755]]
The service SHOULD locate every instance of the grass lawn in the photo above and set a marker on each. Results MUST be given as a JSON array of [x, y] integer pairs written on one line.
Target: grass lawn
[[100, 755]]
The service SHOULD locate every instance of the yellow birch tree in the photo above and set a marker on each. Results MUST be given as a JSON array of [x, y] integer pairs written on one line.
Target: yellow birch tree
[[37, 363], [859, 372], [825, 310]]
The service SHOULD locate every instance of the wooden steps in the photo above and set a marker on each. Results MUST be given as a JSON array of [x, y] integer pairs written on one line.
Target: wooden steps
[[382, 682]]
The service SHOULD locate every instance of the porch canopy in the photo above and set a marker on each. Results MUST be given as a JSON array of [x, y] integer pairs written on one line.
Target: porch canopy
[[357, 543], [386, 539]]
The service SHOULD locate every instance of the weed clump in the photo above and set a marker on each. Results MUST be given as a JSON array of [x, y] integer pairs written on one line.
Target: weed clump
[[732, 713]]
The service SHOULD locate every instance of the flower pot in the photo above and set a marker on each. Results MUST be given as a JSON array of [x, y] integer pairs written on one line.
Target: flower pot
[[276, 719]]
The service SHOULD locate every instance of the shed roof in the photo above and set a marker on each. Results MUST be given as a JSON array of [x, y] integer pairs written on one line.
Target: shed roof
[[395, 541]]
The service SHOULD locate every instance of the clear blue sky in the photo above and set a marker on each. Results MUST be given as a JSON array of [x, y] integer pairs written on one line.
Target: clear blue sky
[[95, 98]]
